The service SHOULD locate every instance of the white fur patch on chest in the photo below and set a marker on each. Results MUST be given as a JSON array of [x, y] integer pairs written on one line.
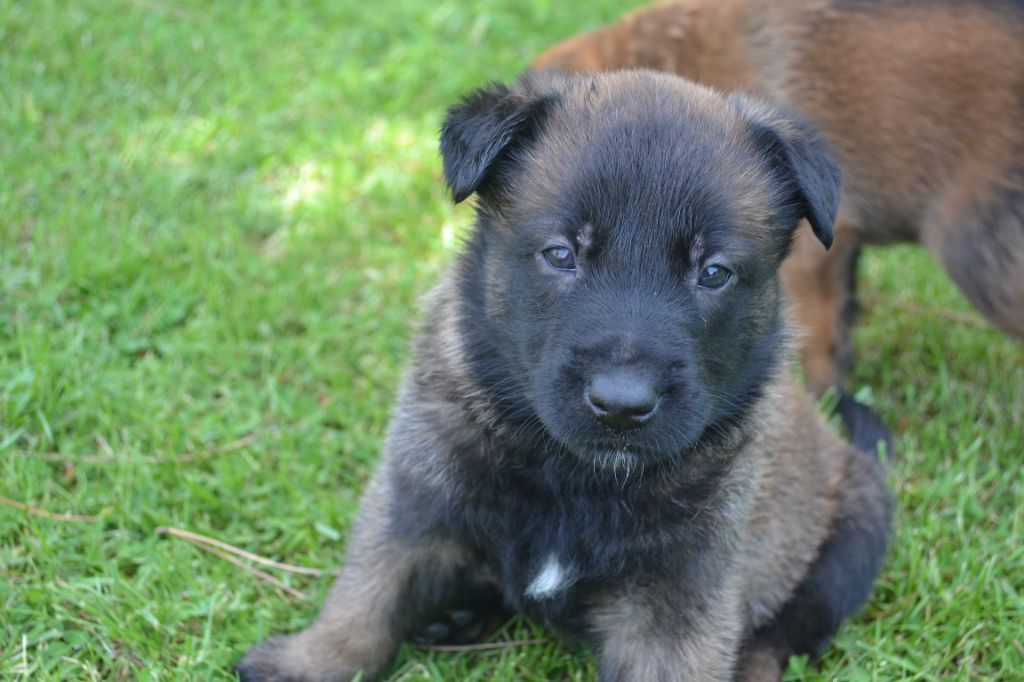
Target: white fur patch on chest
[[553, 576]]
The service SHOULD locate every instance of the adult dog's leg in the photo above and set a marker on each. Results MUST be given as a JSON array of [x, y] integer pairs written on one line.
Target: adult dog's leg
[[821, 285]]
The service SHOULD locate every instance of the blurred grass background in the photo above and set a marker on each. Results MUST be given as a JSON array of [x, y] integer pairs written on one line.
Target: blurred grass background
[[215, 221]]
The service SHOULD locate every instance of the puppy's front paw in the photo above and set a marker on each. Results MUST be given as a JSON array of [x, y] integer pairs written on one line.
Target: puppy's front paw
[[273, 660], [286, 658]]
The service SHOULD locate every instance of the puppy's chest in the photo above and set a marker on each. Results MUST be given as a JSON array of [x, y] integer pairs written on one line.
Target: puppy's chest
[[552, 545]]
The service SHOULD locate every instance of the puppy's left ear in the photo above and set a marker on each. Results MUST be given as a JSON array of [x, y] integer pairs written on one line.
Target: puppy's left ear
[[481, 130], [810, 177]]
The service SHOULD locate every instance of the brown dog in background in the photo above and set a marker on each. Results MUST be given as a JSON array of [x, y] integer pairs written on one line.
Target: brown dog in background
[[923, 104]]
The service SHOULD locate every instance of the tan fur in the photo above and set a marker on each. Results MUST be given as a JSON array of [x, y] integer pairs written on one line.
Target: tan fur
[[923, 105]]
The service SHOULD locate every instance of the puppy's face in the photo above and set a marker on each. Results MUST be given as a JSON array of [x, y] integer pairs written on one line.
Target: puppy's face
[[631, 226]]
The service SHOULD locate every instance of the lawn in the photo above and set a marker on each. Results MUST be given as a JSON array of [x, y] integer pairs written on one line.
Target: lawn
[[216, 221]]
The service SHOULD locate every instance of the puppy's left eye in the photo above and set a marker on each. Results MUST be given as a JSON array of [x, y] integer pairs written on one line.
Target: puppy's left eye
[[714, 277], [559, 257]]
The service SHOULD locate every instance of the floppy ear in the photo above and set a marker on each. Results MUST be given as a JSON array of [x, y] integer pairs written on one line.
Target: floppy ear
[[800, 158], [480, 130]]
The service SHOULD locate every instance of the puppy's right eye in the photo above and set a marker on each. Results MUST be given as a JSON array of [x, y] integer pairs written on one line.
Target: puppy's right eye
[[559, 257], [714, 277]]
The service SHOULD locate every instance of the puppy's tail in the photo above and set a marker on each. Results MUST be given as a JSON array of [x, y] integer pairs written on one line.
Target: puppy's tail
[[867, 430]]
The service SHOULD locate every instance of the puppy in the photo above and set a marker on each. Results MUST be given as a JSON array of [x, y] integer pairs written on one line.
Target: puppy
[[923, 104], [600, 420]]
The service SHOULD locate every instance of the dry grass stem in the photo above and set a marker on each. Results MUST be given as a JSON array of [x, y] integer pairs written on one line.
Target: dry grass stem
[[36, 511], [486, 646], [111, 458], [262, 575], [197, 539]]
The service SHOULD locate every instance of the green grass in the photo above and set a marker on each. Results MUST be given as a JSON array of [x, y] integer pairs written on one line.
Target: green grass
[[216, 221]]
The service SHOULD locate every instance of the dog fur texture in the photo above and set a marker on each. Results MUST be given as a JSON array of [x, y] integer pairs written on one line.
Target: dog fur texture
[[923, 104], [600, 420]]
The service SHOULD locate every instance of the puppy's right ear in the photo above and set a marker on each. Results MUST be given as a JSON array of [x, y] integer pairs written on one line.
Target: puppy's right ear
[[480, 131]]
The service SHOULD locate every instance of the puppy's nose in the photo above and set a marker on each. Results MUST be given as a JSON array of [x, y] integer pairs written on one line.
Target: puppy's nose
[[622, 399]]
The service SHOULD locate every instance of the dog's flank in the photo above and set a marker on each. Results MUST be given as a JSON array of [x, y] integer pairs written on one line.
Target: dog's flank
[[600, 420], [923, 104]]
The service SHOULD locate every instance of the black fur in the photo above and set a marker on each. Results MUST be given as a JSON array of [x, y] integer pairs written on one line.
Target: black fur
[[1011, 9], [478, 131]]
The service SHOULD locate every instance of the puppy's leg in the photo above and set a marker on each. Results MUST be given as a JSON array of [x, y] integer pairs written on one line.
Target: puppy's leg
[[838, 581], [390, 580], [666, 633]]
